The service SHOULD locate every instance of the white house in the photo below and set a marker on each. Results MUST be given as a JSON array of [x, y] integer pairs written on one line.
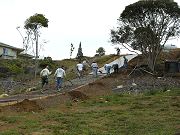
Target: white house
[[9, 52]]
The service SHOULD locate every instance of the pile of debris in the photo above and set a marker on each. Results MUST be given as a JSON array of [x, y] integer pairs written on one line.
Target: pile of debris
[[141, 84]]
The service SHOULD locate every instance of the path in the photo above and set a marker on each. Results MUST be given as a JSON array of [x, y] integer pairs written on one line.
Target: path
[[68, 86]]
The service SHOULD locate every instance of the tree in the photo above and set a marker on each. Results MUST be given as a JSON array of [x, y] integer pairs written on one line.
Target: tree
[[80, 53], [71, 50], [33, 25], [146, 26], [100, 51]]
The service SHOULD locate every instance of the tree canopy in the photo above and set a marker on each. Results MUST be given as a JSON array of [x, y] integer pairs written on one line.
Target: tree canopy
[[147, 25], [36, 19], [32, 26], [101, 51]]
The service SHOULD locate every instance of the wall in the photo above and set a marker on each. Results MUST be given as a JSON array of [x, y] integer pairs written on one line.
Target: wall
[[8, 53]]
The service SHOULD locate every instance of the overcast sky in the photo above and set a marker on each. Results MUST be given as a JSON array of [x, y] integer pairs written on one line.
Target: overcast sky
[[70, 21]]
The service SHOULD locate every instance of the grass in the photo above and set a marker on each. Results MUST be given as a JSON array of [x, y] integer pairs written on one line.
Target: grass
[[116, 114]]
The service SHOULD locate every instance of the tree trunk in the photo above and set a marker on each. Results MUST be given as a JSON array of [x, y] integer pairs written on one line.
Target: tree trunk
[[151, 64], [152, 61]]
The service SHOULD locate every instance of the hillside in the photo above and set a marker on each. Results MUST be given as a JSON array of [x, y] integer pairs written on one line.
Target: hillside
[[99, 108], [17, 76], [117, 104]]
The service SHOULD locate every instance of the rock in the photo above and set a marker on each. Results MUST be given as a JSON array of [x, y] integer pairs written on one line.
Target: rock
[[3, 95], [31, 89], [120, 86], [134, 84]]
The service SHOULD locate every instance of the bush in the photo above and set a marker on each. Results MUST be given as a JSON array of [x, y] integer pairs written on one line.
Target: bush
[[11, 67], [45, 62]]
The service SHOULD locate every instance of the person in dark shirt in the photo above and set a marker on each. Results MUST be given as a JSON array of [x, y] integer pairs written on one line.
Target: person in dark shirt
[[115, 67], [125, 62]]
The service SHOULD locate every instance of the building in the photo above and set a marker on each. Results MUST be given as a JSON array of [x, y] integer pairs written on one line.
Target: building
[[168, 47], [9, 52], [25, 56]]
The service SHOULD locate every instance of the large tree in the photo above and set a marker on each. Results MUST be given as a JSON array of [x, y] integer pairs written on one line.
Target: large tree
[[146, 26], [32, 26]]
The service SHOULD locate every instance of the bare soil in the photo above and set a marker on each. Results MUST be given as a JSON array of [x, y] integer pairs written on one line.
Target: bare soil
[[23, 106]]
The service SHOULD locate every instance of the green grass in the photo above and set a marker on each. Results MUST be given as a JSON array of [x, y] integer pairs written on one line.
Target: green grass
[[116, 114]]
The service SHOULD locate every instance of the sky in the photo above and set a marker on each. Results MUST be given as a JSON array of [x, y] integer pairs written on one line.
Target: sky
[[70, 21]]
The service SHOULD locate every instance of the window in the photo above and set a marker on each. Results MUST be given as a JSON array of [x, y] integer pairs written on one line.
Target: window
[[5, 51]]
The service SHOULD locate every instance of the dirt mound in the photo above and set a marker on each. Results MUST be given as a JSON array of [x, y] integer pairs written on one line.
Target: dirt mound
[[96, 84], [26, 106], [77, 95], [98, 88]]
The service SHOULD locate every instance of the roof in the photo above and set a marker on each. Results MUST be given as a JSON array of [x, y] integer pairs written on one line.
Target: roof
[[11, 47], [26, 55]]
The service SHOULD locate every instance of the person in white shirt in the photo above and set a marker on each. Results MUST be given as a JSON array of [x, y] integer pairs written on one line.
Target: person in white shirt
[[59, 74], [79, 68], [44, 76], [94, 67]]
